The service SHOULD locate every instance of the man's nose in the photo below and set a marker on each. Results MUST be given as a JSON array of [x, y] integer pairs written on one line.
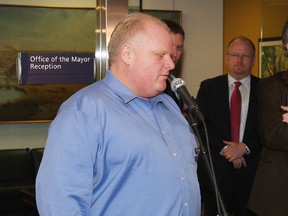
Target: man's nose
[[174, 53], [171, 63]]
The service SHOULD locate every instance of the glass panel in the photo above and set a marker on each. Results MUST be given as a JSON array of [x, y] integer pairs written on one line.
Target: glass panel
[[45, 30]]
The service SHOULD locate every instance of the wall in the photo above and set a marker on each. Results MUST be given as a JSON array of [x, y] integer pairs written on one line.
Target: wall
[[203, 47], [273, 14], [203, 24]]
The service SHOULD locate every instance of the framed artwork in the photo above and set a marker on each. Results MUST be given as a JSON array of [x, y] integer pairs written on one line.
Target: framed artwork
[[40, 30], [271, 57]]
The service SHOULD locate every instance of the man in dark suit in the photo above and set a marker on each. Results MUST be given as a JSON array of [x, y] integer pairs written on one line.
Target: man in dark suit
[[269, 195], [234, 161]]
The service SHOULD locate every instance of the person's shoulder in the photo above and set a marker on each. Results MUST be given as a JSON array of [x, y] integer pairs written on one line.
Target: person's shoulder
[[90, 93], [214, 80], [91, 89], [273, 80], [275, 77], [254, 79]]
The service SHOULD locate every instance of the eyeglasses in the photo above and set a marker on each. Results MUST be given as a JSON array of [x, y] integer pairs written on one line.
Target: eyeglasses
[[237, 55]]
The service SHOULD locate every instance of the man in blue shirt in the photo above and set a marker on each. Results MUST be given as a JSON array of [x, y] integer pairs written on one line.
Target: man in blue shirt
[[120, 146]]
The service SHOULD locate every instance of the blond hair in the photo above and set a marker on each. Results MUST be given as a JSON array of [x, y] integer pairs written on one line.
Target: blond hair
[[126, 29]]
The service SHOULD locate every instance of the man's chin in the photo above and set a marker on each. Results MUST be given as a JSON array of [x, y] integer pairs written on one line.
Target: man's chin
[[164, 86], [238, 72]]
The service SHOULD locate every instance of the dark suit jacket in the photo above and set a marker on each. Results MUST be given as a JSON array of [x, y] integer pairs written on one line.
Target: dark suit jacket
[[213, 99], [269, 195]]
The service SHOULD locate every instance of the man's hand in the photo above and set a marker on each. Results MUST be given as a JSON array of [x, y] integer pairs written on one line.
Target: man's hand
[[239, 162], [285, 115], [234, 152]]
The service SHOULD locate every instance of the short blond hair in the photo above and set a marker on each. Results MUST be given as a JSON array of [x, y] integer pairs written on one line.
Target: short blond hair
[[126, 29]]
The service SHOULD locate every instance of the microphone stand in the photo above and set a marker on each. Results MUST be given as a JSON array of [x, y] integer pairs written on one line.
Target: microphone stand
[[208, 163], [178, 86]]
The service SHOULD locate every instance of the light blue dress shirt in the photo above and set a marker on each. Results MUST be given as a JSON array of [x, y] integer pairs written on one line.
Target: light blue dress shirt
[[112, 153]]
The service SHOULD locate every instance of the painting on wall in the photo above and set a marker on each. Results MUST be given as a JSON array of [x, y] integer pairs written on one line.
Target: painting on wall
[[42, 30], [271, 57]]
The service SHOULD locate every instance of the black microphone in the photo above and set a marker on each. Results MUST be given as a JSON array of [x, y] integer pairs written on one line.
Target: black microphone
[[178, 86]]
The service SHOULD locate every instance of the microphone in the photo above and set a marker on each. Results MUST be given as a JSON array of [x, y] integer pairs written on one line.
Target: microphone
[[179, 87]]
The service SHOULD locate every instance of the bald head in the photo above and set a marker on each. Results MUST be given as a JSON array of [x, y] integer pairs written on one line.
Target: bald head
[[126, 30]]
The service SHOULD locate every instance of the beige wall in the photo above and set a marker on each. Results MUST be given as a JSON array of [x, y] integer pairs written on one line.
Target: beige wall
[[203, 48], [203, 24]]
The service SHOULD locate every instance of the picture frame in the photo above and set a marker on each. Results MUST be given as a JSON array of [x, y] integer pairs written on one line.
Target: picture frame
[[39, 29], [271, 57]]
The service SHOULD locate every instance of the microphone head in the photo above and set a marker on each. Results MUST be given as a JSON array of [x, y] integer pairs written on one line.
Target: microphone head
[[171, 77], [176, 83]]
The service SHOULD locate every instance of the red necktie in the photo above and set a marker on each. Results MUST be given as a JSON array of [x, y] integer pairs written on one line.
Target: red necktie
[[235, 112]]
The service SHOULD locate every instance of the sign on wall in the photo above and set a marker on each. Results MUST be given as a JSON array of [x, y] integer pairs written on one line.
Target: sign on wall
[[55, 68]]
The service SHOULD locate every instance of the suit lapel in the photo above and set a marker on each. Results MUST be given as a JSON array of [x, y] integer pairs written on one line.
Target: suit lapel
[[224, 97]]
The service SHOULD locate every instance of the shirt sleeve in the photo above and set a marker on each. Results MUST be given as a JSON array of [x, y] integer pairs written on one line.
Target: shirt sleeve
[[64, 185]]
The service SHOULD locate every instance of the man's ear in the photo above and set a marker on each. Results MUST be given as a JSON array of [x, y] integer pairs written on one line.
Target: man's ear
[[125, 53]]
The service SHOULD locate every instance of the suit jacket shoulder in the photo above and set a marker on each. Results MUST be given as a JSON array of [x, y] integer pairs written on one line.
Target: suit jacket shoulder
[[254, 79], [215, 80], [280, 77]]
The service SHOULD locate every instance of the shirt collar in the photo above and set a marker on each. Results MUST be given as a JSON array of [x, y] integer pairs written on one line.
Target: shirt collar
[[123, 92], [245, 81]]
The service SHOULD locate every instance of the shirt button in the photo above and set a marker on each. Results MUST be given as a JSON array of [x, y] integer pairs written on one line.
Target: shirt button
[[185, 204], [174, 154], [183, 178]]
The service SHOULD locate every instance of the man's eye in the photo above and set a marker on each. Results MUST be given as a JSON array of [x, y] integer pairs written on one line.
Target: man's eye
[[237, 55]]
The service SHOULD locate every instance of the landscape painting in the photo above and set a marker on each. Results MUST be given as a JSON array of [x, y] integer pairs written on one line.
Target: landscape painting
[[271, 57], [39, 29]]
